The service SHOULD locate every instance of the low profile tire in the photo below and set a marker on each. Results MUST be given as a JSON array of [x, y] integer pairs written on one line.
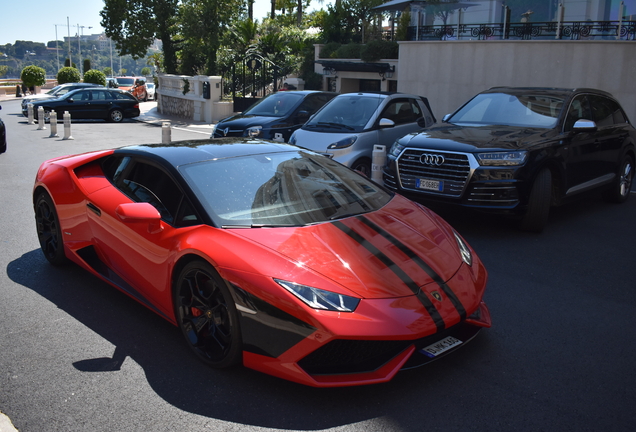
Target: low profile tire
[[536, 217], [362, 165], [116, 116], [48, 229], [207, 316], [620, 189]]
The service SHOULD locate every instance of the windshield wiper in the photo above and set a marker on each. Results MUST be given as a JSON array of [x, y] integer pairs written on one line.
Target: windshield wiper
[[331, 125]]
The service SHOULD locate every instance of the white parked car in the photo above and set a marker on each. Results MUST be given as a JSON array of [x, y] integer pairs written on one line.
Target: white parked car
[[150, 90], [351, 124]]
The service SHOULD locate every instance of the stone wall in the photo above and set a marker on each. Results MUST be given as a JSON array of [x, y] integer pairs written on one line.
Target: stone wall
[[179, 107]]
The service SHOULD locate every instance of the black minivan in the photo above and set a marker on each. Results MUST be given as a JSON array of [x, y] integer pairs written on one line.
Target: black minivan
[[274, 117]]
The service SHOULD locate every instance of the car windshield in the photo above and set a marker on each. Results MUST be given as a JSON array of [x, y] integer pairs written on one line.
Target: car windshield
[[125, 82], [275, 105], [54, 90], [345, 113], [525, 110], [281, 189]]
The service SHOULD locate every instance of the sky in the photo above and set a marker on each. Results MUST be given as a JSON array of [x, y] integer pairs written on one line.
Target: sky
[[37, 22]]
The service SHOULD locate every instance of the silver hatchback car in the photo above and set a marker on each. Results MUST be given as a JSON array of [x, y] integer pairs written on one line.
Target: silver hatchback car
[[351, 124]]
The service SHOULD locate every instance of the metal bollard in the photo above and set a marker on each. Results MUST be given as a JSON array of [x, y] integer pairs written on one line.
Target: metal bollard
[[67, 126], [41, 118], [53, 124], [377, 163], [166, 133], [30, 113]]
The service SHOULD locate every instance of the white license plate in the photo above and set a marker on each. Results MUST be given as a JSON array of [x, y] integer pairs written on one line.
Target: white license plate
[[440, 347], [429, 184]]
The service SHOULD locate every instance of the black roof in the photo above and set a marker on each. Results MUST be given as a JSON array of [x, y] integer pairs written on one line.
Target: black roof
[[556, 91], [185, 152]]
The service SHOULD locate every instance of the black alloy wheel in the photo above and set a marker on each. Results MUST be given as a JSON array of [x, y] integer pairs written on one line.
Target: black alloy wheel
[[536, 217], [48, 229], [620, 189], [207, 316]]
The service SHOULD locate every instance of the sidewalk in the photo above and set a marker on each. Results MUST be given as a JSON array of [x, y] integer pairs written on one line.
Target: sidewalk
[[149, 114]]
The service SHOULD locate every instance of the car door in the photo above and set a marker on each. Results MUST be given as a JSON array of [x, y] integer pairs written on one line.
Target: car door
[[99, 104], [80, 107], [139, 251], [611, 133], [405, 113], [583, 154]]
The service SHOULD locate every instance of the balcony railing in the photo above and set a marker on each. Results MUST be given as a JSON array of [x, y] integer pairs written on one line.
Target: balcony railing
[[586, 30]]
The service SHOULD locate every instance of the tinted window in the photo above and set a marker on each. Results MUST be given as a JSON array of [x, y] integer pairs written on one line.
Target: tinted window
[[146, 183], [527, 110], [290, 188], [579, 110], [100, 95], [401, 111], [345, 112], [123, 96], [312, 103], [275, 105], [606, 112]]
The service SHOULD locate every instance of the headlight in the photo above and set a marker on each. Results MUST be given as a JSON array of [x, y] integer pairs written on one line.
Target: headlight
[[292, 139], [502, 158], [213, 130], [253, 131], [467, 257], [343, 143], [320, 299], [396, 149]]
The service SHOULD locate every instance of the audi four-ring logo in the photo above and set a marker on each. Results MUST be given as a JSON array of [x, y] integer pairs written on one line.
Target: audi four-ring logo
[[432, 159]]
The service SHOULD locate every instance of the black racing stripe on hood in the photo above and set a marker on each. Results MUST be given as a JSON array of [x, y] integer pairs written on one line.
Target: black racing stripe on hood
[[426, 302], [420, 262]]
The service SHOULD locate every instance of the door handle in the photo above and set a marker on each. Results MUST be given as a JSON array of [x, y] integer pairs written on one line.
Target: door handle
[[92, 207]]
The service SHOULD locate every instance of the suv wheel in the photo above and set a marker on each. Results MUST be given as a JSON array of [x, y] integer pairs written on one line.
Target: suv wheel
[[536, 217], [620, 189]]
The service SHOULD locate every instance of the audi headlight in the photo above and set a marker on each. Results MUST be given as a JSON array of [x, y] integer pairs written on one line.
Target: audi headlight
[[213, 130], [292, 139], [343, 143], [320, 299], [396, 149], [253, 131], [464, 250], [510, 158]]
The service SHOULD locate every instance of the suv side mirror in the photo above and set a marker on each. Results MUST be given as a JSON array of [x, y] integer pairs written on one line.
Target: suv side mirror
[[584, 125]]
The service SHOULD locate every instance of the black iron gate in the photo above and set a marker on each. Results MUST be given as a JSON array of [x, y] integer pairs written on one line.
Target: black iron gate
[[252, 78]]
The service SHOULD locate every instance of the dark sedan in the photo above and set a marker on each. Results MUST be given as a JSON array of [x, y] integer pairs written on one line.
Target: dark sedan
[[3, 136], [521, 151], [54, 93], [274, 117], [94, 103]]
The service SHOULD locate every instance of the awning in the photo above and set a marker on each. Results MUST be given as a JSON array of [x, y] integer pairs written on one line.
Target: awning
[[400, 5], [396, 5]]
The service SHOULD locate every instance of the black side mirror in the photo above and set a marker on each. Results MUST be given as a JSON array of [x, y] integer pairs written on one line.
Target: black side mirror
[[71, 100], [302, 116]]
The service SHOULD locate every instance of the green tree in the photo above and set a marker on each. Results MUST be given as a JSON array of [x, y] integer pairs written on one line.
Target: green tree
[[107, 71], [95, 77], [156, 60], [33, 76], [145, 71], [134, 25], [202, 24], [3, 70], [86, 65], [68, 75]]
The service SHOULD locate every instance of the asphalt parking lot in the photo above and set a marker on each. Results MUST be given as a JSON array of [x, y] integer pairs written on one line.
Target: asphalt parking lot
[[77, 355]]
